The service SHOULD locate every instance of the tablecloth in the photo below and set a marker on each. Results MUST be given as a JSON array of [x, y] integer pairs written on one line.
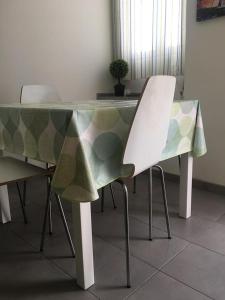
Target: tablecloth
[[86, 140]]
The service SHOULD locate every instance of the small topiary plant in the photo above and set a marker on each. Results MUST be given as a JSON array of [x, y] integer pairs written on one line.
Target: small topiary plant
[[119, 69]]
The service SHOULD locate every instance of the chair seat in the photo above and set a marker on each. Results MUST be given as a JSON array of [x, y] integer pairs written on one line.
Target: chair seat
[[14, 170]]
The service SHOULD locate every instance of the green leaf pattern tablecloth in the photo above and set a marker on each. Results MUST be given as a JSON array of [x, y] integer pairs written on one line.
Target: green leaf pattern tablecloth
[[86, 140]]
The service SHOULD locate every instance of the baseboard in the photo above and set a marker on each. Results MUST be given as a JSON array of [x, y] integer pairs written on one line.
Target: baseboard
[[200, 184]]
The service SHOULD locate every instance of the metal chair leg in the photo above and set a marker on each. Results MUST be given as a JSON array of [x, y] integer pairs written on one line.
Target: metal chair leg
[[127, 234], [134, 185], [22, 204], [179, 161], [45, 217], [50, 217], [165, 200], [24, 192], [113, 197], [25, 187], [65, 224], [150, 202], [103, 200], [50, 230]]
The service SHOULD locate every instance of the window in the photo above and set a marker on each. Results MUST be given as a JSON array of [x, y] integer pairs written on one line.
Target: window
[[149, 35]]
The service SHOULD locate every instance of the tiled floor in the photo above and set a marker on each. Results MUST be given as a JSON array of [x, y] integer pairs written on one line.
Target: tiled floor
[[190, 266]]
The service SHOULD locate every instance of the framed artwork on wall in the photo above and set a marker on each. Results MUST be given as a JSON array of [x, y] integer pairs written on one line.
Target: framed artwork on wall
[[208, 9]]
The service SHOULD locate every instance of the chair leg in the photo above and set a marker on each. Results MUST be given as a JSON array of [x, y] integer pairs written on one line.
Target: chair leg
[[50, 230], [45, 217], [103, 200], [135, 185], [50, 217], [25, 187], [179, 161], [150, 202], [65, 224], [127, 234], [165, 200], [22, 204], [24, 193], [113, 197]]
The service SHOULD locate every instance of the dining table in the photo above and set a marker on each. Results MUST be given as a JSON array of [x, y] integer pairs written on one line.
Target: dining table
[[86, 141]]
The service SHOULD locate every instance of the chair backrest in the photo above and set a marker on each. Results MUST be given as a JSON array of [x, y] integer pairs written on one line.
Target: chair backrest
[[39, 94], [149, 130]]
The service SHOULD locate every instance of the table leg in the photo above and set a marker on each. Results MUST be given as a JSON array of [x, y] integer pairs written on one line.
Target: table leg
[[83, 244], [5, 215], [186, 169]]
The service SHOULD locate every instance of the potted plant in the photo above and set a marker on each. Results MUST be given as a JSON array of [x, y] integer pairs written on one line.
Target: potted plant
[[119, 69]]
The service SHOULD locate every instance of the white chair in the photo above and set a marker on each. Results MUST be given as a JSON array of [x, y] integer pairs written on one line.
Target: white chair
[[13, 170], [39, 94], [146, 141], [33, 94]]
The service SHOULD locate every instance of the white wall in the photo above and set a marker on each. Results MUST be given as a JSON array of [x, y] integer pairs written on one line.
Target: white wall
[[205, 80], [65, 43]]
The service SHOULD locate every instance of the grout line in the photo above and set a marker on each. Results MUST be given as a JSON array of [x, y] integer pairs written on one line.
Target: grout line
[[49, 261], [182, 282], [24, 240], [146, 262], [139, 258], [196, 187], [174, 257], [92, 293], [122, 250], [156, 270], [179, 236], [155, 274], [159, 270], [194, 243], [142, 284], [39, 252]]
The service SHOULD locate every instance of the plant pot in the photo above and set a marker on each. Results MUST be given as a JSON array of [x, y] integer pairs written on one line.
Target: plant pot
[[119, 90]]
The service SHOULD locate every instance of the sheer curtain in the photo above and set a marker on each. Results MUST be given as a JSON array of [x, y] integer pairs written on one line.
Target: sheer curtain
[[150, 36]]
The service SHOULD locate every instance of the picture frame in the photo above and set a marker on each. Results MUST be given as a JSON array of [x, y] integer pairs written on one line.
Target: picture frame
[[209, 9]]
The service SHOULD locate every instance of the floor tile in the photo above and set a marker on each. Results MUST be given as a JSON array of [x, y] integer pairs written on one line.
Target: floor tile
[[204, 204], [109, 261], [201, 269], [207, 205], [10, 243], [110, 277], [31, 232], [110, 227], [221, 220], [25, 274], [191, 269], [198, 231], [162, 287]]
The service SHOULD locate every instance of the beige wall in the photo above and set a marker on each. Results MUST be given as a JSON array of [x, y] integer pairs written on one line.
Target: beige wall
[[205, 80], [65, 43]]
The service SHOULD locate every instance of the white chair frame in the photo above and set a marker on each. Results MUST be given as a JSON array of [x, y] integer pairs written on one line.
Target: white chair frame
[[145, 143]]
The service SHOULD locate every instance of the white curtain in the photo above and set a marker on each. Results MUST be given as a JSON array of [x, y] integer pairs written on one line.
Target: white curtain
[[150, 36]]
